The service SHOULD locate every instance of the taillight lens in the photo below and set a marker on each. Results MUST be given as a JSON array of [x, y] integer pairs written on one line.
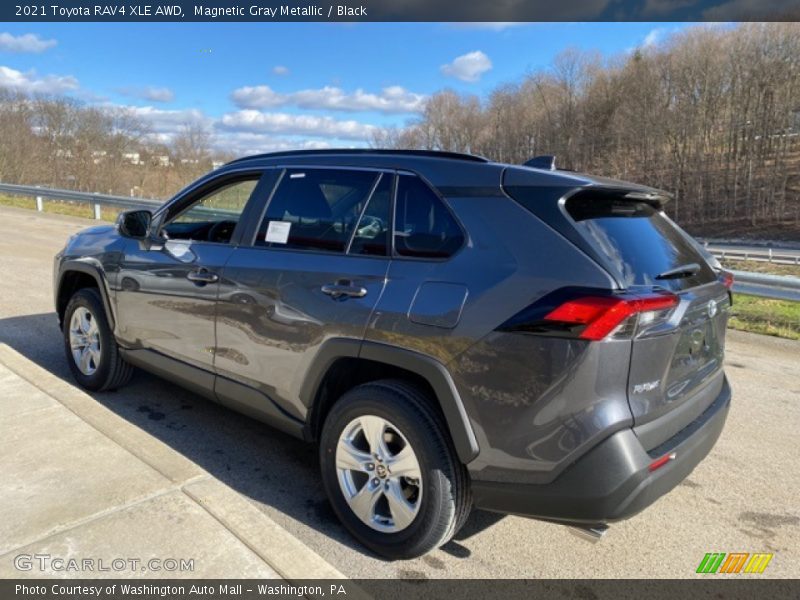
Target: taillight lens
[[590, 314], [601, 315]]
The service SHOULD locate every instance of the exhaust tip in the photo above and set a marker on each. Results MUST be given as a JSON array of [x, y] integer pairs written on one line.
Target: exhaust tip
[[593, 533]]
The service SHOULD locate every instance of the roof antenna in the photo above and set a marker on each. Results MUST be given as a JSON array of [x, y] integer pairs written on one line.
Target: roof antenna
[[546, 161]]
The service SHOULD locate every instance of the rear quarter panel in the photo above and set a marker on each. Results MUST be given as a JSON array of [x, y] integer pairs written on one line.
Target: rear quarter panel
[[534, 403]]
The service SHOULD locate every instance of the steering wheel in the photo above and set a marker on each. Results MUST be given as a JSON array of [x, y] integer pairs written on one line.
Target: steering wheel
[[370, 227], [221, 231]]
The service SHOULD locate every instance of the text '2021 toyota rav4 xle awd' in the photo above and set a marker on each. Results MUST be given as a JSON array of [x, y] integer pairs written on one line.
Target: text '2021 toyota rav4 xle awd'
[[451, 331]]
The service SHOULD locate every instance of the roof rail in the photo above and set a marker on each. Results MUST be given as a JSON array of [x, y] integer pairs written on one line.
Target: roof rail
[[546, 161], [382, 152]]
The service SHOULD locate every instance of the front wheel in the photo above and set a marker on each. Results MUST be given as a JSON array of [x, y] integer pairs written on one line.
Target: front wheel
[[390, 470], [89, 344]]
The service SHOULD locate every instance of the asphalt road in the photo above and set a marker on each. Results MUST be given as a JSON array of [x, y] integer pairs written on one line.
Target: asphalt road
[[742, 498]]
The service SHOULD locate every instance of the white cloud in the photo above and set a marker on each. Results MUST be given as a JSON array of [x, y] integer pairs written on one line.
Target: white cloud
[[652, 38], [468, 67], [164, 124], [30, 83], [242, 143], [259, 96], [153, 94], [392, 99], [28, 42], [280, 70], [254, 121]]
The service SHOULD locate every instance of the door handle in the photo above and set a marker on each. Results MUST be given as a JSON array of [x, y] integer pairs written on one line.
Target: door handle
[[338, 290], [202, 276]]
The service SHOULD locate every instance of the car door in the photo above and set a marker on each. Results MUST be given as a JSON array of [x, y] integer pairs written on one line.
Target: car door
[[167, 286], [314, 269]]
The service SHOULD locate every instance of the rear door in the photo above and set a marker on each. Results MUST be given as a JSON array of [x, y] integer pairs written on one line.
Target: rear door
[[677, 354], [312, 269]]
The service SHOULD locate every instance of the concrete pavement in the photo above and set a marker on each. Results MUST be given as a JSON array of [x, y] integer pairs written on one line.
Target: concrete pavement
[[743, 498], [82, 484]]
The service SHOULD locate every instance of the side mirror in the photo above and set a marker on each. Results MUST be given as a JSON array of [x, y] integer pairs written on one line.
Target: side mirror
[[134, 223]]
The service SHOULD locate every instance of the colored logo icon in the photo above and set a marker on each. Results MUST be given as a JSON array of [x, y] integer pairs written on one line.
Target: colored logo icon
[[735, 562]]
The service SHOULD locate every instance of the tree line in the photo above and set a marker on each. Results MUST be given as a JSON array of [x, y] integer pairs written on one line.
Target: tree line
[[61, 142], [710, 114]]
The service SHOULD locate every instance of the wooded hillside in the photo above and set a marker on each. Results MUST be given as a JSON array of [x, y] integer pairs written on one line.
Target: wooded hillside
[[711, 114]]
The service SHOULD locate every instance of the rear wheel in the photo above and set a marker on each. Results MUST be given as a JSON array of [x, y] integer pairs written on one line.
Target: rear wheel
[[92, 352], [390, 471]]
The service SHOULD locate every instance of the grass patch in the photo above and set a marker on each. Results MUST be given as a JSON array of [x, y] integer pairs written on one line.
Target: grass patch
[[62, 207], [757, 266], [780, 318]]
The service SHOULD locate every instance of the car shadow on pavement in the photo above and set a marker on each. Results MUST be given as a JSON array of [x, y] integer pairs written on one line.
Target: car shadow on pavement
[[272, 468]]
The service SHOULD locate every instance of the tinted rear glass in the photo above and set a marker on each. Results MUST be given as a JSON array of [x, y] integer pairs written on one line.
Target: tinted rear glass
[[638, 241]]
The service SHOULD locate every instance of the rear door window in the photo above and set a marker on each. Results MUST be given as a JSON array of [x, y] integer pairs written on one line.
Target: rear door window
[[371, 236], [316, 209], [637, 240]]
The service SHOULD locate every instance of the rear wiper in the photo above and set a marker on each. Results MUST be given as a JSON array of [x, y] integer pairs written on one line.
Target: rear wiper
[[680, 272]]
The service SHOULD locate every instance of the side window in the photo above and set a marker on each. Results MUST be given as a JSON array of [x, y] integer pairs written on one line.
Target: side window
[[213, 217], [424, 228], [315, 209], [371, 236]]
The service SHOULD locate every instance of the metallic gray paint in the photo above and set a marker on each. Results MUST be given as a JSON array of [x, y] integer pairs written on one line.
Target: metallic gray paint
[[520, 408]]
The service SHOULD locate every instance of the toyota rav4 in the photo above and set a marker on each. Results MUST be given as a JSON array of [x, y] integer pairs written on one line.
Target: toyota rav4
[[450, 331]]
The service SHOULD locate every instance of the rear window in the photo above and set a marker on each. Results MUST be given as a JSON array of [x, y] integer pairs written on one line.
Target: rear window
[[638, 241]]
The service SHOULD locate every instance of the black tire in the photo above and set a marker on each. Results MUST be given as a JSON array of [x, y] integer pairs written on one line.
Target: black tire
[[446, 499], [112, 371]]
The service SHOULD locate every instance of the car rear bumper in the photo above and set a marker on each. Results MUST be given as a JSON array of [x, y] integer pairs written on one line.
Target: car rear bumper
[[613, 481]]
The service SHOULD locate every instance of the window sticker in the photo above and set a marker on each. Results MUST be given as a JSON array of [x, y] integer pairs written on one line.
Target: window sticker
[[278, 232]]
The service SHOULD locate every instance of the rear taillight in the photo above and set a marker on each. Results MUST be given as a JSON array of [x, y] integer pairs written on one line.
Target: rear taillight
[[594, 314], [602, 315], [726, 278]]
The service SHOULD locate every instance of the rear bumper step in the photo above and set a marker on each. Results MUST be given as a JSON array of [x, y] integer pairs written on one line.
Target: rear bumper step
[[613, 481]]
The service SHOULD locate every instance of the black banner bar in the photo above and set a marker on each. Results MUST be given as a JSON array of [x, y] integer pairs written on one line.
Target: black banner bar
[[714, 587], [400, 10]]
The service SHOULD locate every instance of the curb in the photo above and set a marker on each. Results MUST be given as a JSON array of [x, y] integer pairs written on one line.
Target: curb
[[287, 555]]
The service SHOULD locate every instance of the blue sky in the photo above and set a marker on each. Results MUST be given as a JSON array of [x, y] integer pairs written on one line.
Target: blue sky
[[260, 87]]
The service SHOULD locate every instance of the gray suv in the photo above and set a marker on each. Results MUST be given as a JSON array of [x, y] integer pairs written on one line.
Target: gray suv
[[452, 332]]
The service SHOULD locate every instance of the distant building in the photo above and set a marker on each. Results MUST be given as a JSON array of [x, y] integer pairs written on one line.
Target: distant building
[[216, 164], [132, 158]]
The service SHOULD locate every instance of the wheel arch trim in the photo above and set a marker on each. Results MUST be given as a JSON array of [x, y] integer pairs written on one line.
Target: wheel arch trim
[[434, 372], [93, 268]]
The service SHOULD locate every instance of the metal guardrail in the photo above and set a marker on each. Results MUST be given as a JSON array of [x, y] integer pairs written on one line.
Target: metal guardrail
[[756, 284], [780, 257], [779, 287], [97, 201]]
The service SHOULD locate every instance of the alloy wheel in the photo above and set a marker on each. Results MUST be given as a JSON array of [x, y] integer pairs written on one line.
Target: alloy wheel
[[84, 340], [379, 474]]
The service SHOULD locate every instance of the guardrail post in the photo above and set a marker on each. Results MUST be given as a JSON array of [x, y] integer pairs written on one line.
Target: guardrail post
[[39, 204], [97, 212], [770, 255]]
